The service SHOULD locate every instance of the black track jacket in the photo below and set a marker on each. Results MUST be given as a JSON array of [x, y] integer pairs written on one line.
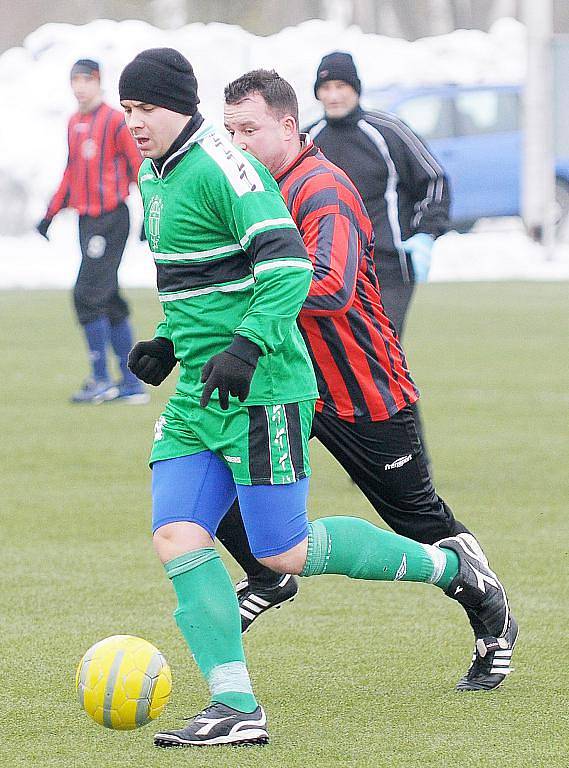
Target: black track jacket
[[404, 188]]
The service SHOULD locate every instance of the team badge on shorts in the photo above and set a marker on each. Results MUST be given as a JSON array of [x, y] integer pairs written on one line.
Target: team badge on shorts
[[96, 247]]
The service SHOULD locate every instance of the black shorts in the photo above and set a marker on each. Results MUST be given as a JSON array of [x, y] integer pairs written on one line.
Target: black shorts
[[102, 240], [386, 461]]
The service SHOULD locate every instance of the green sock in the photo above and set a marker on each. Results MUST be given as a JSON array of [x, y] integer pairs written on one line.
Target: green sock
[[208, 618], [353, 547]]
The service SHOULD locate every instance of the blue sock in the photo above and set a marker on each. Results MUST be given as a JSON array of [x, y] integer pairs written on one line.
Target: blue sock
[[97, 335], [122, 342]]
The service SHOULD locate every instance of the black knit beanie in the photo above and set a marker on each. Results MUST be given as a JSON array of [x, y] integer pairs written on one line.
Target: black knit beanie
[[338, 66], [163, 77]]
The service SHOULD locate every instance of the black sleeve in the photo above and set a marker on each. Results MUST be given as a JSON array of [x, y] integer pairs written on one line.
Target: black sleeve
[[421, 175]]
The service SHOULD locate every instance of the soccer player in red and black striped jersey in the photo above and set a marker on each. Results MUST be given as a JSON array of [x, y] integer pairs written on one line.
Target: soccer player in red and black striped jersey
[[364, 416], [103, 161]]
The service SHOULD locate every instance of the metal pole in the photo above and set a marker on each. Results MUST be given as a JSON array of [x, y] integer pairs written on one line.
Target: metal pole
[[538, 177]]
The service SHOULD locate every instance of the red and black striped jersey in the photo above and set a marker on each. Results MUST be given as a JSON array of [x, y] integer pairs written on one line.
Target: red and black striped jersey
[[103, 160], [360, 366]]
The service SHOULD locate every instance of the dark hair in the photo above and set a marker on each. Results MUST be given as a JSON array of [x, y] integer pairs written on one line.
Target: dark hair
[[275, 90], [85, 67]]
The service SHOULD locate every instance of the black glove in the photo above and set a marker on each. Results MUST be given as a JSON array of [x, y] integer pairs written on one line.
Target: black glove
[[142, 236], [43, 226], [151, 361], [230, 372]]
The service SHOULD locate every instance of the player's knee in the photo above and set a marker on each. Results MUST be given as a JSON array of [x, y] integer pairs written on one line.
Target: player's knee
[[87, 307], [175, 539], [291, 561]]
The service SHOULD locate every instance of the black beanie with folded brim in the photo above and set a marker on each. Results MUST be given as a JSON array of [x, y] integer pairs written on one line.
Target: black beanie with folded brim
[[162, 77], [338, 66]]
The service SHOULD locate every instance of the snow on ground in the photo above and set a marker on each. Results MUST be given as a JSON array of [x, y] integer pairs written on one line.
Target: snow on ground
[[494, 252], [37, 102]]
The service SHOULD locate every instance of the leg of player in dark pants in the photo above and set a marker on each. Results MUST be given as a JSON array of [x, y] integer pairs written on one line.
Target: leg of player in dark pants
[[396, 298], [101, 310], [386, 460], [90, 292], [121, 335]]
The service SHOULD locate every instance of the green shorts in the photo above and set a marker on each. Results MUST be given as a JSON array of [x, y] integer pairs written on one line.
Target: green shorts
[[261, 444]]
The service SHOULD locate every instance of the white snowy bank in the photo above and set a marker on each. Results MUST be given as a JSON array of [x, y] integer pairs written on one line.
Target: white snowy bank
[[37, 102]]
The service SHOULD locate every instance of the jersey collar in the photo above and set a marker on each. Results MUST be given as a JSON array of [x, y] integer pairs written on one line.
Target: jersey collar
[[308, 149], [194, 130]]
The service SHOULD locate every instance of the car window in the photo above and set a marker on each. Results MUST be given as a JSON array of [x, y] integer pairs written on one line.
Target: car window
[[429, 116], [480, 112]]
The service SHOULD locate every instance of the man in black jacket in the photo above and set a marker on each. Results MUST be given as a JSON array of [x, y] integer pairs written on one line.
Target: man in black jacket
[[404, 188]]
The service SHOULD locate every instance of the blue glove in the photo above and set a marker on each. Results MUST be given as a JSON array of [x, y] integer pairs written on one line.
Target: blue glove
[[420, 246]]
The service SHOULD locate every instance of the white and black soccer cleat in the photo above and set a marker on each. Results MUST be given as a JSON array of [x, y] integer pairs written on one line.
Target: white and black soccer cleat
[[477, 588], [216, 725], [253, 601], [491, 661]]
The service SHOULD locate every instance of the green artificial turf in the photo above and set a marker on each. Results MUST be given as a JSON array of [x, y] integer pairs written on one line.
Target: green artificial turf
[[352, 674]]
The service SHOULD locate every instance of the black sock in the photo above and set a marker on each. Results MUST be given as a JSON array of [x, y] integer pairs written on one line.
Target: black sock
[[231, 532]]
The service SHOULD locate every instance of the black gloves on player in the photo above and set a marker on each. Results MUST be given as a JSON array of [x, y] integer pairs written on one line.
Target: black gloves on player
[[43, 226], [151, 361], [230, 372]]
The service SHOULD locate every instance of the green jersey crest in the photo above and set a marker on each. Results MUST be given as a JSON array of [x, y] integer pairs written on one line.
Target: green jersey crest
[[154, 213]]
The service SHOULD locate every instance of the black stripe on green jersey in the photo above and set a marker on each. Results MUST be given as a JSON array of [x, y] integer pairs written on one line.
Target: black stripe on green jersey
[[268, 245], [183, 276]]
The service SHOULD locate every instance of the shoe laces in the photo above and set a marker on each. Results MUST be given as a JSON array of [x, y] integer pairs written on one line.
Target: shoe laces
[[203, 712]]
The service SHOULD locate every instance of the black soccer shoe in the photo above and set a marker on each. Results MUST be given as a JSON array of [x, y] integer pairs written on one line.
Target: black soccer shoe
[[477, 588], [218, 724], [253, 601], [490, 661]]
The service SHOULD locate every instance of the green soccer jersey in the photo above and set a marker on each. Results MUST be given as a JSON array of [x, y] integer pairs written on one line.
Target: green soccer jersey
[[229, 260]]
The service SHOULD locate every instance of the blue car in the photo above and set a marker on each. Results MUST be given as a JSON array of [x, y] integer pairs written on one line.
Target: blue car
[[475, 133]]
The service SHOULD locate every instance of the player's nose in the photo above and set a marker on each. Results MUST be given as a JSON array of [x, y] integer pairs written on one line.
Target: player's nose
[[134, 122]]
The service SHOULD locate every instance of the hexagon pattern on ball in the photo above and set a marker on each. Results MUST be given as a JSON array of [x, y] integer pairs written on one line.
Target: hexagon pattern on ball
[[123, 682]]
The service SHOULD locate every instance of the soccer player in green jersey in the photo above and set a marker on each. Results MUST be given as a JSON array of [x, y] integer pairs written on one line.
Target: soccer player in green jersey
[[232, 275]]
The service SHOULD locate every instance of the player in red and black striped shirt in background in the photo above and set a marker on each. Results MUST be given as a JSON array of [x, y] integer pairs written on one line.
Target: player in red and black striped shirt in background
[[364, 415], [103, 161], [360, 366]]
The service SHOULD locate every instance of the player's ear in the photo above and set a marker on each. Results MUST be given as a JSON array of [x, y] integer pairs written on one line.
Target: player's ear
[[290, 126]]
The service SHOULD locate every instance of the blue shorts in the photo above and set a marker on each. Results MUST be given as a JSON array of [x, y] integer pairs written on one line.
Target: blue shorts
[[200, 489]]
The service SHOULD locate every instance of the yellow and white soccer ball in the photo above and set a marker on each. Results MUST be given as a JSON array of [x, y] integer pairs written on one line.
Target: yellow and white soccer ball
[[123, 682]]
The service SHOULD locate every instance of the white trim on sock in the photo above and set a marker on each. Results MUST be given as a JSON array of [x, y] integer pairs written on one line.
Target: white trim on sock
[[439, 561], [232, 677]]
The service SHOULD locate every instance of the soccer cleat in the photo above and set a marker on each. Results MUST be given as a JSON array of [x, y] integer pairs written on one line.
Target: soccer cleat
[[477, 588], [490, 661], [133, 394], [95, 391], [253, 601], [218, 724]]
